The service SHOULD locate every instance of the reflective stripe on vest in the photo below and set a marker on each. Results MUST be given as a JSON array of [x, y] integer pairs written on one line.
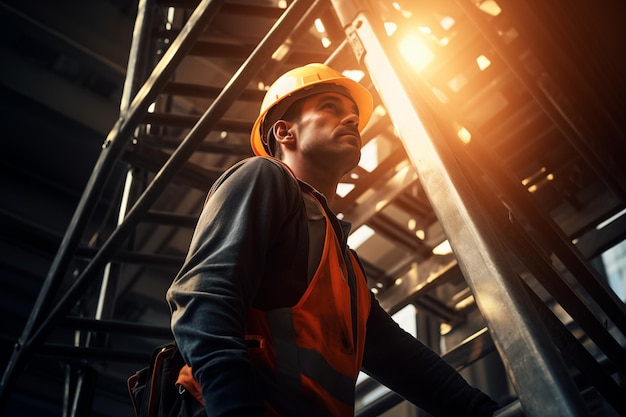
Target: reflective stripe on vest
[[309, 360]]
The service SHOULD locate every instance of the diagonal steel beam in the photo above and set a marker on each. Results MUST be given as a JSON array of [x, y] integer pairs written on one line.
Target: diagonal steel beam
[[299, 12], [112, 148], [537, 371]]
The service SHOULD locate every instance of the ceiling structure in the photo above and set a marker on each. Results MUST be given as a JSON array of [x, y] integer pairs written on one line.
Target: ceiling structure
[[530, 98]]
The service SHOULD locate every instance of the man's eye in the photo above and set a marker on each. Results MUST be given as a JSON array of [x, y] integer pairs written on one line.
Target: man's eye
[[329, 105]]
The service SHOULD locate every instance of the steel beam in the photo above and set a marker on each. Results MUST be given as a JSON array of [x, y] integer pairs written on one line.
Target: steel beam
[[534, 365], [550, 235]]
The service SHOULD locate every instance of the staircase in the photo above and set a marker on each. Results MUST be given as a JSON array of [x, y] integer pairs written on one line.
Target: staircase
[[481, 138]]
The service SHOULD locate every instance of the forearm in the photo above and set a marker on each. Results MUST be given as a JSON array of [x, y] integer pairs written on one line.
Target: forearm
[[414, 371]]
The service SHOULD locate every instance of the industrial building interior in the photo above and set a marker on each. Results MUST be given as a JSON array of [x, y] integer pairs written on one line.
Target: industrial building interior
[[505, 254]]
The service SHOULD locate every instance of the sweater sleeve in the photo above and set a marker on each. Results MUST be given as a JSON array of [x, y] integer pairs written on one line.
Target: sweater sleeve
[[220, 278], [408, 367]]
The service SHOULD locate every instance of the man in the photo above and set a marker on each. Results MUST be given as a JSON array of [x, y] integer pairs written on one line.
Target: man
[[271, 310]]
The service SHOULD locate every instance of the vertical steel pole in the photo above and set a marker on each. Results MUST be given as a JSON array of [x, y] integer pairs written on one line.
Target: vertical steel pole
[[137, 70], [534, 365], [111, 151]]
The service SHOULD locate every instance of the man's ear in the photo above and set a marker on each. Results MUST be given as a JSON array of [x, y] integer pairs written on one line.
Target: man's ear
[[283, 133]]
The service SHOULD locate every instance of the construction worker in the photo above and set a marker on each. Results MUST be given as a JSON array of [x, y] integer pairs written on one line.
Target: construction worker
[[271, 310]]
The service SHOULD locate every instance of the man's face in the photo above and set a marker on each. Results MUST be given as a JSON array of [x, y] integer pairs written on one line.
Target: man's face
[[328, 132]]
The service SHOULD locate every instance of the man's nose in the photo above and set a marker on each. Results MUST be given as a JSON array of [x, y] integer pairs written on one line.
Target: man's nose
[[352, 119]]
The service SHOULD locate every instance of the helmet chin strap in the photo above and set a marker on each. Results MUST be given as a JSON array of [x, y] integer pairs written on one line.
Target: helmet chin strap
[[269, 139]]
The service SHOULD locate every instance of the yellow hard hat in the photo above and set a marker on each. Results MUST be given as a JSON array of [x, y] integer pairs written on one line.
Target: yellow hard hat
[[298, 83]]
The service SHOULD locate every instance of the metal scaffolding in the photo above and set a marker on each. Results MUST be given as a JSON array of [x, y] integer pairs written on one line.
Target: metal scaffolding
[[499, 234]]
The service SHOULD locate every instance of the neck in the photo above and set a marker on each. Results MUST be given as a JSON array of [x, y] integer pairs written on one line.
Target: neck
[[324, 180], [327, 191]]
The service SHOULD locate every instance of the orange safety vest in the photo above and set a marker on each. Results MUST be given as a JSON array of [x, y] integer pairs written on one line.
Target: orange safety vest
[[310, 355]]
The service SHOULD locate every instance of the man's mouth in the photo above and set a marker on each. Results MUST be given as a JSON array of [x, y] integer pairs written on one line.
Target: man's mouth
[[355, 138]]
